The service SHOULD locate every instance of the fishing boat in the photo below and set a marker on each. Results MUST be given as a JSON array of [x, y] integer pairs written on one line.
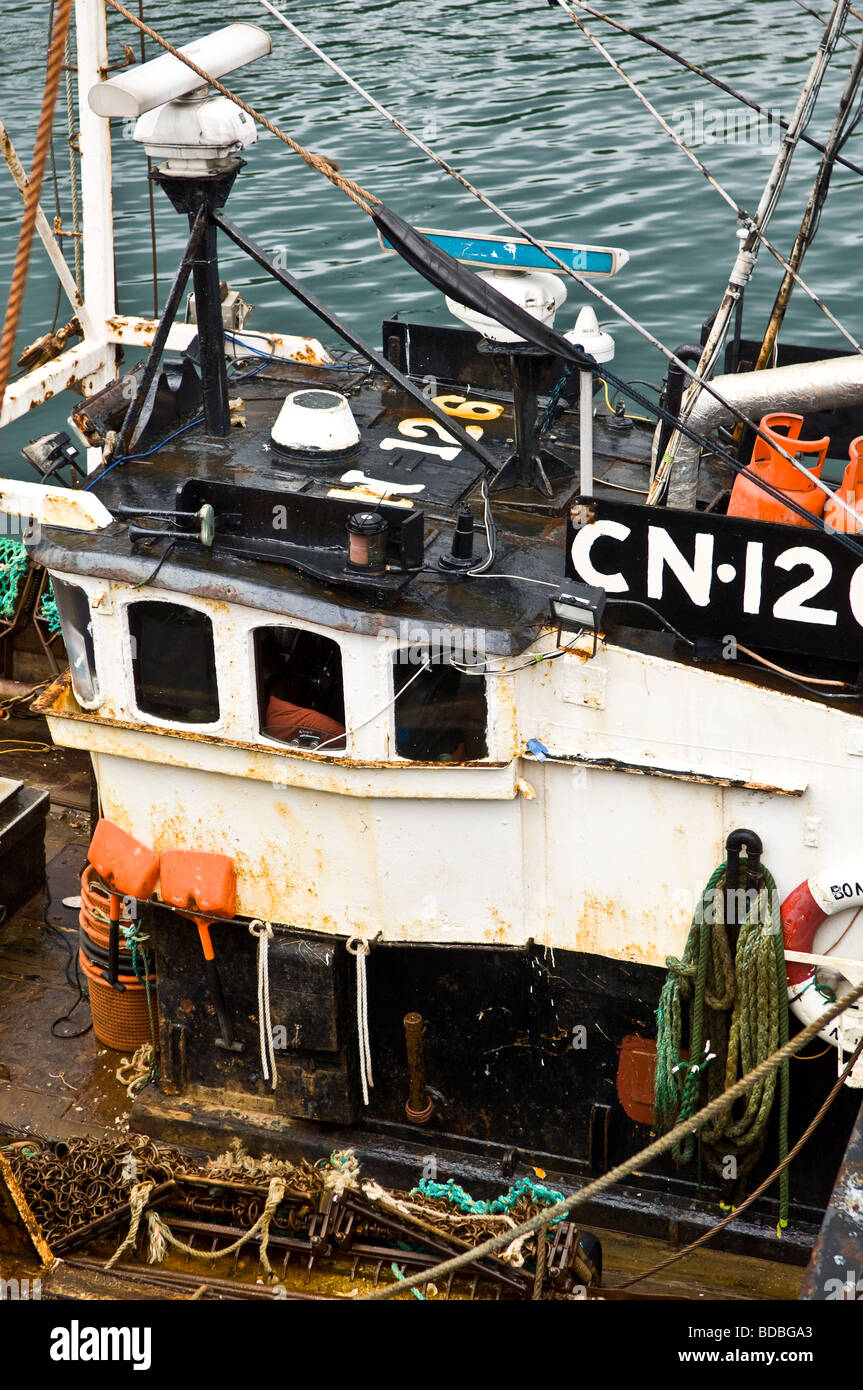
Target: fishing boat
[[476, 755]]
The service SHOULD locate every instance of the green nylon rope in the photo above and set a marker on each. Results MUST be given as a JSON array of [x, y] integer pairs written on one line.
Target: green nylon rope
[[755, 988], [48, 610], [498, 1206], [14, 562], [13, 568]]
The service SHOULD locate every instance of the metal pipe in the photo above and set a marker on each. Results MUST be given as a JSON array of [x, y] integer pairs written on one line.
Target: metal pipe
[[419, 1105], [585, 433], [199, 227], [801, 388], [211, 333]]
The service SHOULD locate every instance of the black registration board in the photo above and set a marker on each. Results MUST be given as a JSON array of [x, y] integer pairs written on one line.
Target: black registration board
[[787, 588]]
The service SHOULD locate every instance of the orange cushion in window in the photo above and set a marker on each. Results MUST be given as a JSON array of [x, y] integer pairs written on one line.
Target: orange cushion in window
[[284, 720]]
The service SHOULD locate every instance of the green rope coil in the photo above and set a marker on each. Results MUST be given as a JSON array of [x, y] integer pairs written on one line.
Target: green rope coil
[[754, 988], [13, 569], [524, 1189]]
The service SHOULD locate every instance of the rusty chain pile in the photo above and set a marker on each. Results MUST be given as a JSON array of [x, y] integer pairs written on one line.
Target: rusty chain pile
[[79, 1191], [73, 1182]]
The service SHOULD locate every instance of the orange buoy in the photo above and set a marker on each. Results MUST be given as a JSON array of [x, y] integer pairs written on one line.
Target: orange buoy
[[203, 886], [851, 491], [748, 499]]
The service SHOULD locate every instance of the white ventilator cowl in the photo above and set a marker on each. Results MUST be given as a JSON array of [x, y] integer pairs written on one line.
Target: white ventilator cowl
[[590, 336], [536, 291], [315, 421]]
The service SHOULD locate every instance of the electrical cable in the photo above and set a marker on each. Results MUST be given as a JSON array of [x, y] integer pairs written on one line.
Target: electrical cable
[[337, 738], [637, 603]]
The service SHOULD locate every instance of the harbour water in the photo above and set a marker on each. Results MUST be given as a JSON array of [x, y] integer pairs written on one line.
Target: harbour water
[[517, 98]]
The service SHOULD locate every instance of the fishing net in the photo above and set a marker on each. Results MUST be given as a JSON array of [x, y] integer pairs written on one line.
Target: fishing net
[[13, 570]]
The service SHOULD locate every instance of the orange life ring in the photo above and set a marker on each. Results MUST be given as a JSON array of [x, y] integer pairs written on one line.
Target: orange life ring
[[825, 894]]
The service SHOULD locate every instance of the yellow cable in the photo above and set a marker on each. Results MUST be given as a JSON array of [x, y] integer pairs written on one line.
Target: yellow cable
[[645, 418]]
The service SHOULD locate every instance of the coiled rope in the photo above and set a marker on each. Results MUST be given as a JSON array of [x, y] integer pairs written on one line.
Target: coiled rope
[[753, 987]]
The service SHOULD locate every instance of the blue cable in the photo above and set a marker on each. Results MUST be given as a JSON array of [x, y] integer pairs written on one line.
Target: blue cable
[[273, 357], [127, 457], [268, 357]]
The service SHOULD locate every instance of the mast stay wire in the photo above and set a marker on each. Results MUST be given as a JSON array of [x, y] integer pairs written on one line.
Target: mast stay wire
[[362, 198], [772, 115], [817, 15], [745, 219]]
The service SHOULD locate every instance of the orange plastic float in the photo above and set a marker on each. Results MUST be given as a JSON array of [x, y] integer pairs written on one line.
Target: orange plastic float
[[203, 886], [748, 499], [129, 869]]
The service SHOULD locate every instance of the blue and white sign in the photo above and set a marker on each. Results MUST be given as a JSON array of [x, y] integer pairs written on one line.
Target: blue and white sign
[[509, 253]]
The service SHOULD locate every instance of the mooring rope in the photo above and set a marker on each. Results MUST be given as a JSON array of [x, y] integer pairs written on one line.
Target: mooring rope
[[263, 931], [15, 299], [647, 1155], [766, 1184], [138, 1199], [360, 949], [160, 1234], [753, 987]]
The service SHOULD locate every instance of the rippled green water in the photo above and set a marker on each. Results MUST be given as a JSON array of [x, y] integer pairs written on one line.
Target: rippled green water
[[514, 96]]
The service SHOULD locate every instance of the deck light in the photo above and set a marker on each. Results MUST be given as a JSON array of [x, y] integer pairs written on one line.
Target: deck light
[[579, 608]]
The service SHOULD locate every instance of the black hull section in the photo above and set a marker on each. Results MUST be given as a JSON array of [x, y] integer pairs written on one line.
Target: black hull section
[[522, 1053]]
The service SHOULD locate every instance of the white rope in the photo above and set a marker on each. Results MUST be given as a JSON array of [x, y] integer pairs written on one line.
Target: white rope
[[359, 948], [263, 931]]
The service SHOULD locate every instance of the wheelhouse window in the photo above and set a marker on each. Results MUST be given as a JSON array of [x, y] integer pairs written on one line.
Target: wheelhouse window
[[73, 607], [174, 662], [440, 711], [301, 698]]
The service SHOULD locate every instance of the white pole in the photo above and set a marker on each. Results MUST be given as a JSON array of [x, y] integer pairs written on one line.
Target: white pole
[[97, 202], [585, 436]]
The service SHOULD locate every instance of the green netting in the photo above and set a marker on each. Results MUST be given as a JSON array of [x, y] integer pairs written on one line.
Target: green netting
[[48, 609], [13, 568]]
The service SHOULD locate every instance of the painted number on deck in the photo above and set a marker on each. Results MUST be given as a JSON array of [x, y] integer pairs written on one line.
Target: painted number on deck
[[422, 427]]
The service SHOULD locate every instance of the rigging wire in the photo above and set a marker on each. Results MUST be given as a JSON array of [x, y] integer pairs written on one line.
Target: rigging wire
[[694, 68], [362, 198], [745, 220], [17, 285]]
